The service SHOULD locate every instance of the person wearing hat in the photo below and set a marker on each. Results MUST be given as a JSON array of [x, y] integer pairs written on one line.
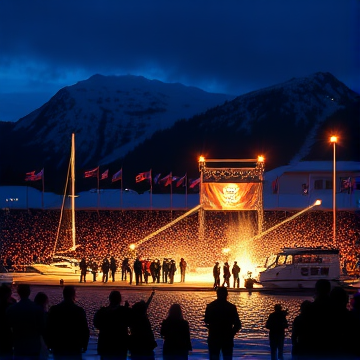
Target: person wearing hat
[[182, 269]]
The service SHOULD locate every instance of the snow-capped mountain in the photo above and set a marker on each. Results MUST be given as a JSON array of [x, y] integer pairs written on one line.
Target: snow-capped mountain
[[131, 122], [112, 114]]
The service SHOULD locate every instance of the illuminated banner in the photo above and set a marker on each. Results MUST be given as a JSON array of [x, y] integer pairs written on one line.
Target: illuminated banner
[[230, 196]]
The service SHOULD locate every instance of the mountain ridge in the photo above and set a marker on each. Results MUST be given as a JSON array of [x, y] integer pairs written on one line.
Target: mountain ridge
[[284, 122]]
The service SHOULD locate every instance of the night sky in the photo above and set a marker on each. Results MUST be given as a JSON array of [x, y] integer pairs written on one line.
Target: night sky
[[219, 46]]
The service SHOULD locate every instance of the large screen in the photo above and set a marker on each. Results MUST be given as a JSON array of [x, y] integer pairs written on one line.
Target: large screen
[[230, 196]]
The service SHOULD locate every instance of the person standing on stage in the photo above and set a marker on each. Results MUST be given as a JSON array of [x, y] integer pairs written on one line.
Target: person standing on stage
[[165, 270], [226, 275], [138, 271], [182, 269], [83, 269], [235, 272], [216, 274], [94, 269], [105, 267], [123, 268], [172, 270], [113, 268]]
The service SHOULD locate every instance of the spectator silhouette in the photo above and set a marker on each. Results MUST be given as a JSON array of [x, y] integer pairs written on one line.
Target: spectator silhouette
[[42, 300], [142, 340], [112, 322], [300, 333], [319, 325], [5, 330], [355, 313], [27, 322], [222, 321], [277, 324], [67, 328], [343, 342], [176, 333]]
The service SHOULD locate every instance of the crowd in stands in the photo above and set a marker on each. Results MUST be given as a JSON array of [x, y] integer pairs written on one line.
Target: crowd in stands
[[28, 236]]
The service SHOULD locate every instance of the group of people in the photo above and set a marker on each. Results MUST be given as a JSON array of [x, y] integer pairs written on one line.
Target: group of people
[[235, 272], [106, 267], [145, 270], [324, 329]]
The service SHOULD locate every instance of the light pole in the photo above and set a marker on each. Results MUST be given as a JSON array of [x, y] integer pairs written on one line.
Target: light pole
[[333, 140]]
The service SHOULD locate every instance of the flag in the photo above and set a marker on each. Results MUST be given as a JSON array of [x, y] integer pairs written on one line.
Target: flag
[[105, 175], [181, 181], [166, 180], [345, 185], [194, 183], [156, 178], [91, 173], [117, 176], [31, 176], [143, 176]]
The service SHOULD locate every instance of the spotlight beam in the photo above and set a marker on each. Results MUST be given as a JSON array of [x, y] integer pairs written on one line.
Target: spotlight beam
[[316, 203], [196, 208]]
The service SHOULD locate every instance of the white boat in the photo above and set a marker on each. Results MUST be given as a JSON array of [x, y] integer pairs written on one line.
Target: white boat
[[301, 268], [62, 264]]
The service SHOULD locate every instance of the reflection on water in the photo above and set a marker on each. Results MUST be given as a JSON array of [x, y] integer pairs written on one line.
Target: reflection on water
[[253, 308]]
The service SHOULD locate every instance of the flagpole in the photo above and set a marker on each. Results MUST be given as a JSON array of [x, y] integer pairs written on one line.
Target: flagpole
[[186, 191], [121, 190], [170, 191], [150, 190], [98, 188], [43, 187]]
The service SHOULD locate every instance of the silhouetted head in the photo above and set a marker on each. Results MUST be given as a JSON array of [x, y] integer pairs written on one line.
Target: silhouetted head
[[175, 312], [42, 300], [115, 298], [277, 307], [235, 262], [323, 288], [24, 291], [139, 308], [69, 293], [222, 293]]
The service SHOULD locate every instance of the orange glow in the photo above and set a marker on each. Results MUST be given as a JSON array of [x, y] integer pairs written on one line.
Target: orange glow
[[333, 139], [201, 159], [261, 158], [132, 246], [317, 202]]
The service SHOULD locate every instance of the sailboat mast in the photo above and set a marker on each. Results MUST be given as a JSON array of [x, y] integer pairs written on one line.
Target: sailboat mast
[[73, 190]]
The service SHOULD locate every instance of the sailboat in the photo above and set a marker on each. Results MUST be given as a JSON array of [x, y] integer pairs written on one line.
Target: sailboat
[[60, 263]]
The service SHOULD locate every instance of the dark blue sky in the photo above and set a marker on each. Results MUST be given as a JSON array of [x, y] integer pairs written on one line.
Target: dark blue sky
[[231, 46]]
